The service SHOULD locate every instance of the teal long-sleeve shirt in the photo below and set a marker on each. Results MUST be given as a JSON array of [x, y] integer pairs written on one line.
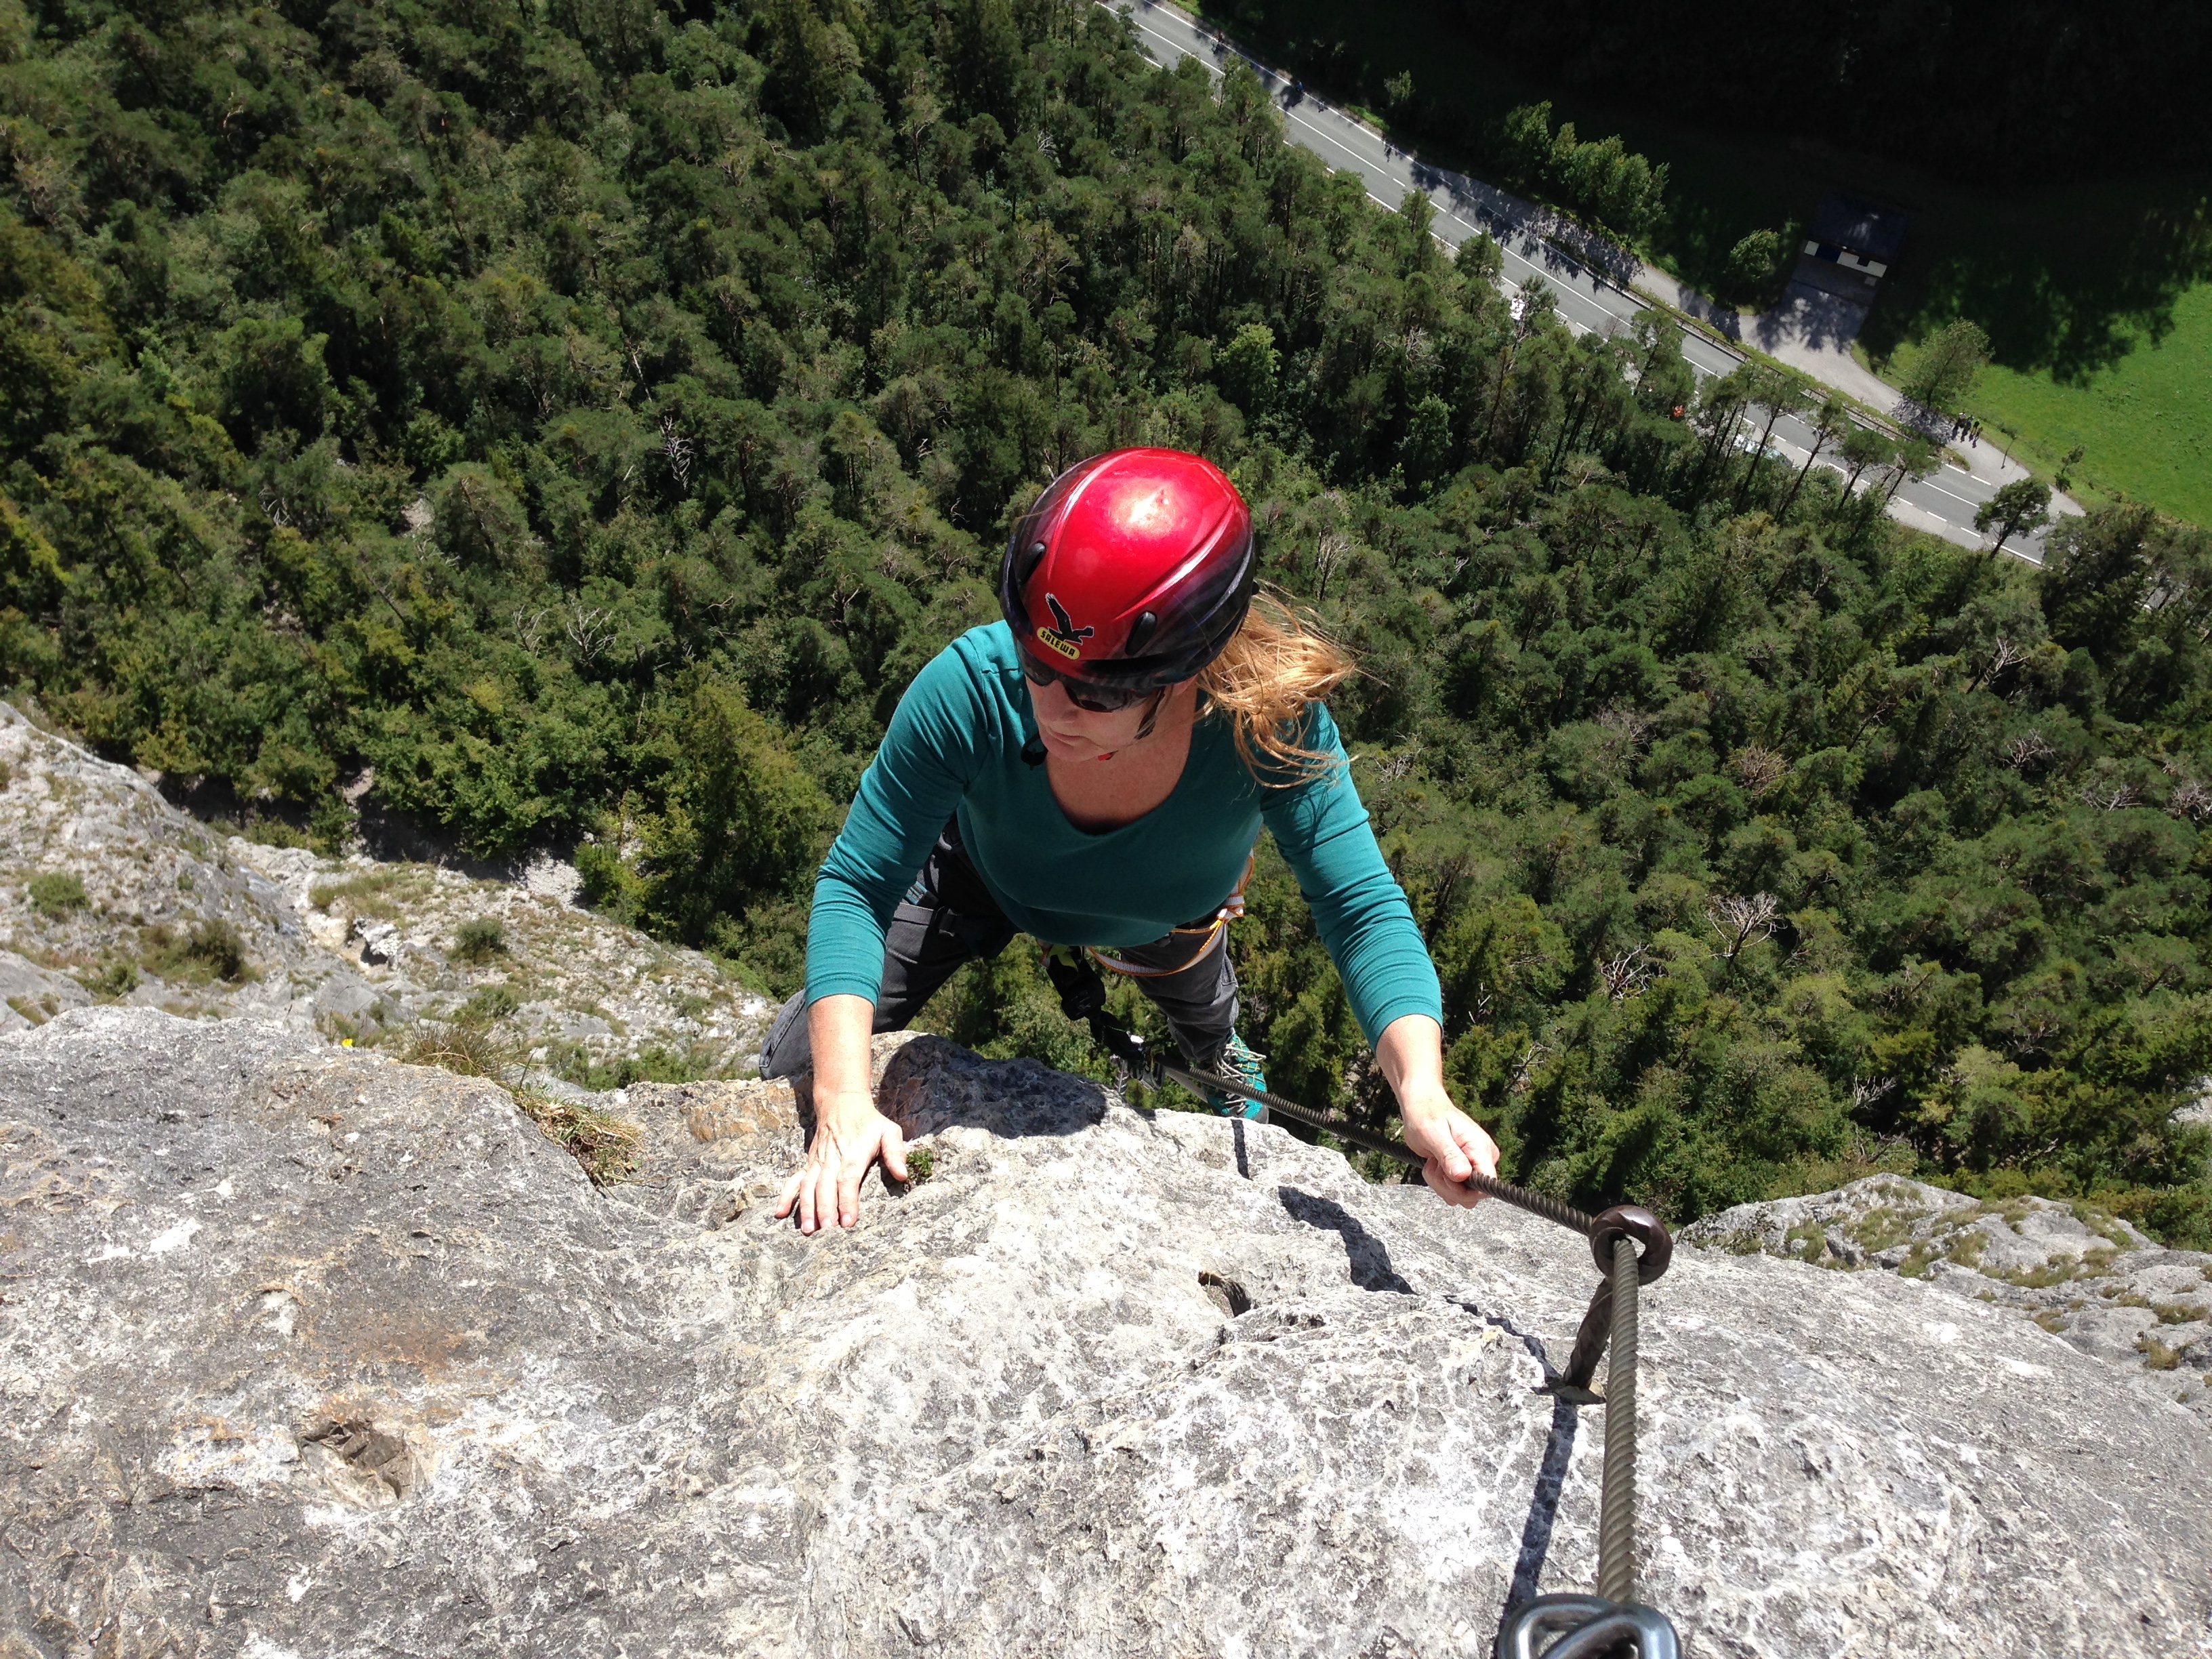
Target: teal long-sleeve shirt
[[955, 750]]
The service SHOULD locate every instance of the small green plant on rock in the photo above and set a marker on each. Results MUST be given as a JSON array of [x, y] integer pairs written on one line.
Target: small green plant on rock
[[604, 1144], [1919, 1259], [492, 1002], [653, 1064], [2055, 1270], [478, 941], [116, 979], [1883, 1228], [468, 1047], [56, 893], [1807, 1241], [2105, 1224], [212, 950], [2157, 1356]]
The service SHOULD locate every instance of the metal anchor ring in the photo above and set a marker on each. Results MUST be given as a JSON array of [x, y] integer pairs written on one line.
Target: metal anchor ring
[[1633, 1221]]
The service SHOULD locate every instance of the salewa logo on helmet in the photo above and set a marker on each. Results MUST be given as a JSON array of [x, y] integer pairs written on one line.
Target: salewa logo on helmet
[[1067, 639]]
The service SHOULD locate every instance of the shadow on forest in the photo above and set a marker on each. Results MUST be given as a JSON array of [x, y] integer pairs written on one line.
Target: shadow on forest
[[2070, 307], [2067, 278]]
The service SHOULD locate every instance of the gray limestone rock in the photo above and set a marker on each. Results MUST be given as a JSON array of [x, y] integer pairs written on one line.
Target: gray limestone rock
[[353, 948], [2091, 1277], [306, 1353], [30, 995], [381, 943]]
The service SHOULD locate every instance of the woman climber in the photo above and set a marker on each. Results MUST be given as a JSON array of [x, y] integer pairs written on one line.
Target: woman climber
[[1094, 771]]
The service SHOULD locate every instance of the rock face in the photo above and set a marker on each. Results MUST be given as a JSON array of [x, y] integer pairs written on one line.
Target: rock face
[[2091, 1277], [310, 1353], [352, 947]]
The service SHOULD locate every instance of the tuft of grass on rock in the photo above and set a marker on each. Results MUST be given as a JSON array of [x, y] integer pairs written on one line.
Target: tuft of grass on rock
[[606, 1145], [491, 1002], [213, 949], [468, 1047], [56, 893], [2157, 1356], [372, 893], [116, 979], [478, 941]]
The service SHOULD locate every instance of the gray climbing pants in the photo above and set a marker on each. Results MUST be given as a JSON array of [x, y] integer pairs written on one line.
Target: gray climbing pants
[[949, 917]]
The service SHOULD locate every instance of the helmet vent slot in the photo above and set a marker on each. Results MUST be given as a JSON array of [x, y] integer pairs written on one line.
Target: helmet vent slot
[[1140, 634]]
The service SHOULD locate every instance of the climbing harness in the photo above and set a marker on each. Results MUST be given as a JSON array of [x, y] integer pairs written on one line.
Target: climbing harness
[[1558, 1626]]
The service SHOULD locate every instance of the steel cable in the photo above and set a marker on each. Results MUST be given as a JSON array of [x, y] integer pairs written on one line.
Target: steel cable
[[1550, 1209], [1616, 1526], [1613, 1617]]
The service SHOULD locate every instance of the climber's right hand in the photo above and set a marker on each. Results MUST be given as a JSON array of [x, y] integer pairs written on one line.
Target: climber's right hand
[[849, 1134]]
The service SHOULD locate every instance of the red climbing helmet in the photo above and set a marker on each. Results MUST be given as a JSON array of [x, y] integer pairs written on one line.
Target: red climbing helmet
[[1131, 570]]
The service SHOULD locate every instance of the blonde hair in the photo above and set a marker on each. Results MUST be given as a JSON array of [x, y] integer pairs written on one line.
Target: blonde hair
[[1278, 661]]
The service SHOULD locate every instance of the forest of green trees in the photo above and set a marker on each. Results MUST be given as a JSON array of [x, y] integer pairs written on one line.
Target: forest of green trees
[[2017, 89], [589, 414]]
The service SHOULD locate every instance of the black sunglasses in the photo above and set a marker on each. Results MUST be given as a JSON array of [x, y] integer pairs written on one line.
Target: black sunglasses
[[1089, 697]]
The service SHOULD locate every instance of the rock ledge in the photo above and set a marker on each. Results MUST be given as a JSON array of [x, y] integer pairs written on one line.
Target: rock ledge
[[308, 1354]]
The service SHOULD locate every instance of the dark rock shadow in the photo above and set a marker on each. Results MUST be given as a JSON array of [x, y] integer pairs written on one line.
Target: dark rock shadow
[[1551, 1472], [931, 1084], [1370, 1262], [1543, 1505]]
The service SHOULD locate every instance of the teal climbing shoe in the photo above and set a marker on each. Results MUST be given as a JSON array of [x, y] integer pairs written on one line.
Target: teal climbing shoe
[[1240, 1063]]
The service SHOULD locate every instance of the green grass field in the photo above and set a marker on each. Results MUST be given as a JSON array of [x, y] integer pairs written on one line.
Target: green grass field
[[2098, 297], [2144, 423]]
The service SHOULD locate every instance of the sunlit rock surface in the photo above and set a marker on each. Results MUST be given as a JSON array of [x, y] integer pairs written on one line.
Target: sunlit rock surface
[[2091, 1277], [351, 948], [310, 1353]]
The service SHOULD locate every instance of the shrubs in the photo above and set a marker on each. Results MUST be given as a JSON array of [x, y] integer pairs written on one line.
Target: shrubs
[[478, 941], [213, 949], [115, 981], [1600, 179], [1756, 265], [56, 893]]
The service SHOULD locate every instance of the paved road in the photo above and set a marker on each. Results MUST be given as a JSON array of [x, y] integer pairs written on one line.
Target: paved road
[[1589, 300]]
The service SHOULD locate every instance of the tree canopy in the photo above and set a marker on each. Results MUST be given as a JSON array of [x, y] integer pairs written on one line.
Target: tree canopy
[[589, 415]]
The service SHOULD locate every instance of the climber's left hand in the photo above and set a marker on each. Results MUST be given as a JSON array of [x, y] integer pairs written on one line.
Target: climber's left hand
[[1451, 1144]]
